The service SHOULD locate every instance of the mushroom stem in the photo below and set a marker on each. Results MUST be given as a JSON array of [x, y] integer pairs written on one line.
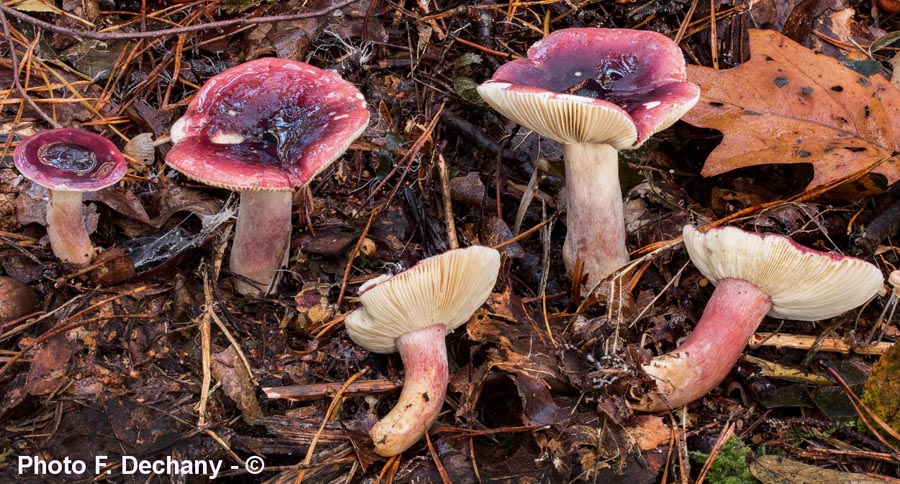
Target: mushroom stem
[[595, 224], [261, 240], [732, 315], [65, 228], [424, 356]]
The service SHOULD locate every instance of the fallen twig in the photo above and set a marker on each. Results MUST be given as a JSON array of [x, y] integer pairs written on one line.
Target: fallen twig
[[805, 342], [321, 391]]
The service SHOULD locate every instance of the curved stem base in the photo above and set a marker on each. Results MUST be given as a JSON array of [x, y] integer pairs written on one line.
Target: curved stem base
[[65, 228], [424, 356], [262, 239], [732, 315], [595, 224]]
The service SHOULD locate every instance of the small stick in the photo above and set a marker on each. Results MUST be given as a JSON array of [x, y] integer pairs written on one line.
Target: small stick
[[687, 20], [352, 256], [775, 370], [206, 327], [727, 432], [321, 391], [484, 49], [205, 350], [805, 342], [462, 433], [524, 234], [452, 241], [329, 325], [445, 478], [90, 268]]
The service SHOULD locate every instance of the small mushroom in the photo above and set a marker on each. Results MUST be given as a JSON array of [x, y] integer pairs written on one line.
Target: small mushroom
[[265, 128], [755, 275], [411, 312], [67, 162], [595, 91]]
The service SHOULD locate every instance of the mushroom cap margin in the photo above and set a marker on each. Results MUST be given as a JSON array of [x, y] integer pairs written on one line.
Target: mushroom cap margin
[[225, 109], [443, 289], [804, 284], [110, 167]]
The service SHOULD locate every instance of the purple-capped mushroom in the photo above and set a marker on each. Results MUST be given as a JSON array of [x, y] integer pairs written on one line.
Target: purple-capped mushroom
[[595, 91], [67, 162], [265, 128]]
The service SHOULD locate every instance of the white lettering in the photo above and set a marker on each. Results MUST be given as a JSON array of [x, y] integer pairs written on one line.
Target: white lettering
[[129, 465], [168, 466], [25, 462], [216, 465]]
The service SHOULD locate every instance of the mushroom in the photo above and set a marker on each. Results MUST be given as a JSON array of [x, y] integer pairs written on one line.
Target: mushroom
[[595, 91], [265, 128], [411, 312], [755, 275], [67, 162]]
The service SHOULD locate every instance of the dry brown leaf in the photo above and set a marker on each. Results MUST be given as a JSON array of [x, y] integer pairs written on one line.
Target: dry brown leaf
[[48, 366], [237, 383], [788, 104]]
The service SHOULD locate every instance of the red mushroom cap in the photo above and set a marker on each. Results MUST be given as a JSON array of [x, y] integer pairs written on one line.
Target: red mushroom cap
[[267, 124], [637, 71], [70, 159]]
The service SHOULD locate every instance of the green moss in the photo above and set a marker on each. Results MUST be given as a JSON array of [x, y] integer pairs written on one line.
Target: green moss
[[732, 465]]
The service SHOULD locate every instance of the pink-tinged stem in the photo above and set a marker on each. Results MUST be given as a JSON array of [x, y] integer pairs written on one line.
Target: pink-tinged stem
[[424, 356], [595, 224], [65, 228], [732, 315], [261, 240]]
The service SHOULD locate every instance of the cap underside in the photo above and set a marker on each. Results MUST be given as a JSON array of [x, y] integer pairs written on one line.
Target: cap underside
[[575, 78], [804, 284], [444, 289], [566, 118]]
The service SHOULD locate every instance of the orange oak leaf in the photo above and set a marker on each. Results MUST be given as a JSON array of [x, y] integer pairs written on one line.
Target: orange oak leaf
[[788, 104]]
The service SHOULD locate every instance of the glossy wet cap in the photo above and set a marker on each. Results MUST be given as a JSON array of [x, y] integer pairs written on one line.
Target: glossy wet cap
[[267, 124], [69, 159], [444, 289], [586, 85], [804, 284]]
